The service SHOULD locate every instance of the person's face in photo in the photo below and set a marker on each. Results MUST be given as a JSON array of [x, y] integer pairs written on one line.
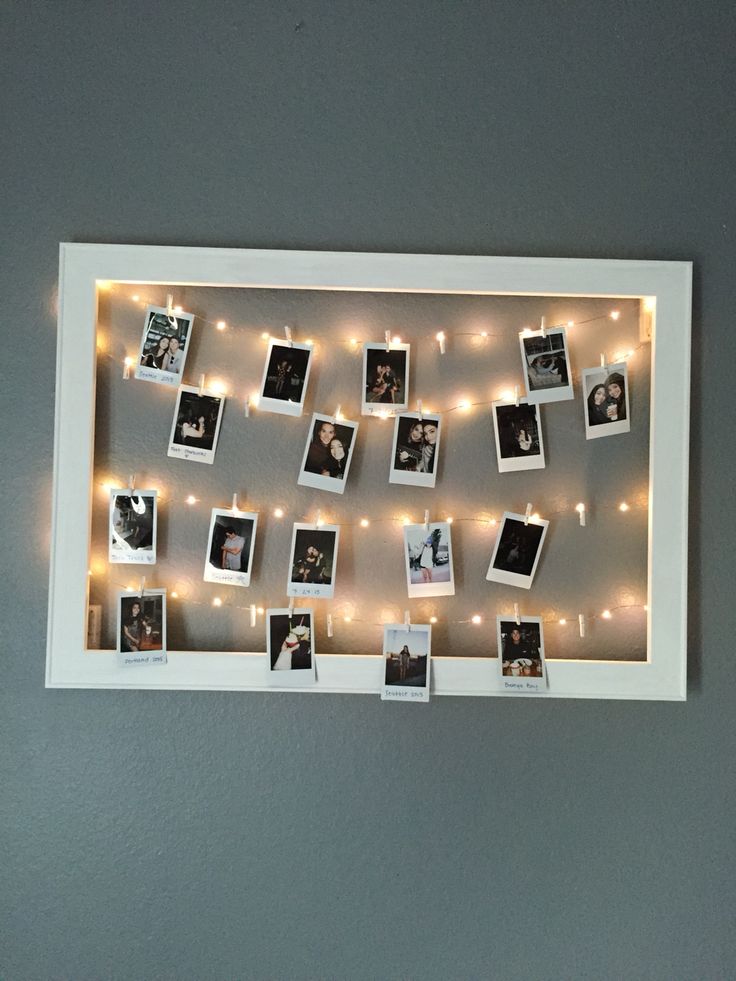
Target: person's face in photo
[[135, 610], [430, 433], [173, 345], [599, 395], [337, 450], [416, 433], [614, 390], [312, 552], [515, 636], [326, 433]]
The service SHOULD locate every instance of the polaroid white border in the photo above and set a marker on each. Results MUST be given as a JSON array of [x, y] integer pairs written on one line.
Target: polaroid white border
[[335, 485], [417, 590], [158, 375], [513, 464], [522, 685], [515, 578], [130, 660], [195, 454], [606, 428], [406, 693], [139, 556], [295, 677], [312, 590], [666, 288], [410, 477], [283, 406], [230, 577], [384, 408], [542, 396]]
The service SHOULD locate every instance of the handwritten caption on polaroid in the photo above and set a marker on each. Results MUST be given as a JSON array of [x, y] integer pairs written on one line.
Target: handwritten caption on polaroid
[[406, 694], [139, 659]]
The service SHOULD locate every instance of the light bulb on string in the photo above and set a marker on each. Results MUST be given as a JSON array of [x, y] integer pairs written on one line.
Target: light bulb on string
[[623, 506], [217, 601], [614, 314], [364, 522], [562, 622], [606, 615], [278, 512], [191, 499], [476, 619], [221, 325]]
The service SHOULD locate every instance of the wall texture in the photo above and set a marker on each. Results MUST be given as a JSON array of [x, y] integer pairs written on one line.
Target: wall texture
[[166, 835]]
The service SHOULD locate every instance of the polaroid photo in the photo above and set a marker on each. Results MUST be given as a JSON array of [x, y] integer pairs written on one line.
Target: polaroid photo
[[141, 628], [518, 547], [196, 425], [385, 379], [518, 432], [164, 345], [313, 561], [606, 392], [547, 369], [415, 451], [328, 453], [290, 657], [285, 377], [230, 547], [132, 531], [428, 560], [406, 654], [521, 654]]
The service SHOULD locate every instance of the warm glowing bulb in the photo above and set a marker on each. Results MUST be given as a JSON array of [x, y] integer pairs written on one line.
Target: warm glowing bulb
[[649, 304], [476, 618], [623, 506], [364, 522], [353, 341], [309, 341], [175, 595], [535, 517], [107, 487], [191, 499], [433, 619], [319, 522], [440, 335], [580, 508], [129, 589], [135, 298], [89, 572], [217, 601], [630, 354], [221, 325], [562, 622], [606, 614], [615, 314], [570, 323], [526, 332], [218, 388], [484, 333], [178, 309], [405, 520], [492, 522], [448, 519], [255, 399], [265, 335], [396, 340], [348, 619], [103, 284], [646, 608], [129, 362], [278, 513], [260, 610], [463, 404], [508, 396], [383, 415]]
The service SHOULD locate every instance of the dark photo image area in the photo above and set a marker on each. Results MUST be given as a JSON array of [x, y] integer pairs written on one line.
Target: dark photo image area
[[196, 421], [291, 638], [518, 547], [546, 360], [231, 540], [313, 557], [286, 372], [141, 623], [385, 376], [132, 521], [518, 432], [416, 443], [406, 669], [521, 643]]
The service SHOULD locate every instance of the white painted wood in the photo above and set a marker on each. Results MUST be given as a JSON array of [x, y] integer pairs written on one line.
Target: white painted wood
[[69, 665]]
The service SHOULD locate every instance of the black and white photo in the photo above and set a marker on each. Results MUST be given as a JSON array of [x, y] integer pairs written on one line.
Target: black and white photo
[[133, 518], [141, 628], [313, 561], [518, 433], [230, 547], [546, 362], [385, 379], [606, 393], [290, 655], [428, 560], [406, 655], [517, 551], [164, 346], [521, 654], [196, 425], [415, 452], [285, 377], [328, 453]]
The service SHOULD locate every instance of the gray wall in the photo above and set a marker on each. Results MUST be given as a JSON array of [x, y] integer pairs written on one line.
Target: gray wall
[[166, 835]]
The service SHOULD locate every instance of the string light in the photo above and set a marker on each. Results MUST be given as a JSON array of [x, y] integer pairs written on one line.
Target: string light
[[347, 619], [191, 499], [433, 619], [449, 519], [623, 506], [265, 335], [135, 298], [476, 619], [174, 595], [178, 309], [364, 522], [396, 340], [260, 611], [221, 325], [606, 614], [562, 622], [278, 512], [217, 601], [615, 314]]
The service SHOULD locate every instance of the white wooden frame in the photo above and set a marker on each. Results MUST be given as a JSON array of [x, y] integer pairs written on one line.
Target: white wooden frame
[[668, 284]]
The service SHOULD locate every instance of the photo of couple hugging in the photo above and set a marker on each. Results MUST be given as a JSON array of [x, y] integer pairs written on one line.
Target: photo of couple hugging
[[416, 445], [607, 400], [327, 453], [385, 377]]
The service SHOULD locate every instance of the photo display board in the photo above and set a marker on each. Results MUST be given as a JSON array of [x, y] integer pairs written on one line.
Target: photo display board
[[480, 436]]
